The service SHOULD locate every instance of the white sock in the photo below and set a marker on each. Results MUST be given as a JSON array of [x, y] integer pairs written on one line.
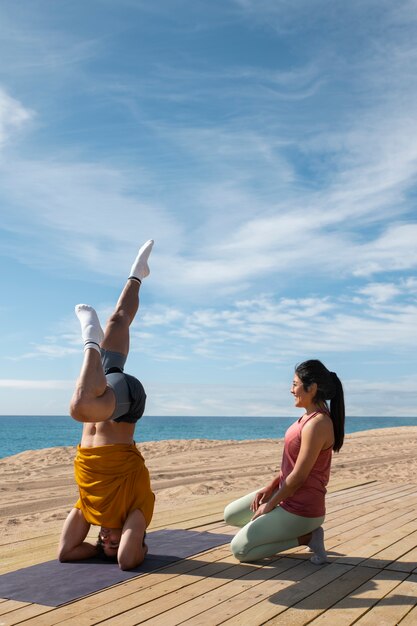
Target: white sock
[[91, 330], [140, 267], [316, 545]]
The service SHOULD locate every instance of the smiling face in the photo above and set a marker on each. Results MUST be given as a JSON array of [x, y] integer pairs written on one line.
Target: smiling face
[[303, 398], [110, 540]]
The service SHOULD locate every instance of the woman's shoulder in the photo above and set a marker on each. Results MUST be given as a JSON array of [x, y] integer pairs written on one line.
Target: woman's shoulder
[[320, 426], [320, 419], [318, 422]]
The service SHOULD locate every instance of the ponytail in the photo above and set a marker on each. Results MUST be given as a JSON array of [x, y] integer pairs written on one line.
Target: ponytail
[[337, 413], [329, 387]]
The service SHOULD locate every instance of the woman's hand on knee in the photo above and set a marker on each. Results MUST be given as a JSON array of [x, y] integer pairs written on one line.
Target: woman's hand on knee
[[263, 509], [262, 496]]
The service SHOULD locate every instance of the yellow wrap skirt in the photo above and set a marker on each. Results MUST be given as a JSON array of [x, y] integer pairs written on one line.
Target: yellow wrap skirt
[[113, 480]]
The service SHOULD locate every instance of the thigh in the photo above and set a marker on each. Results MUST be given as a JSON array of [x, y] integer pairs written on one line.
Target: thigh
[[117, 382], [112, 360], [116, 334], [238, 512], [279, 525]]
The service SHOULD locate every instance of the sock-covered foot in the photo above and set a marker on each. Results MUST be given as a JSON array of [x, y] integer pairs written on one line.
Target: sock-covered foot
[[316, 545], [140, 267], [91, 330]]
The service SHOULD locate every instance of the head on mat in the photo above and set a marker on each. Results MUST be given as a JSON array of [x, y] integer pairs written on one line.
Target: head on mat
[[108, 542]]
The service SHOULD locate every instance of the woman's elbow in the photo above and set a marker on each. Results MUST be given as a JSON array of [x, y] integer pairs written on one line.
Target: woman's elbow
[[127, 564], [296, 482], [62, 556]]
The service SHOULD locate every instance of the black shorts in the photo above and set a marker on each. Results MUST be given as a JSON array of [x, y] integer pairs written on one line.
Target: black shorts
[[128, 390]]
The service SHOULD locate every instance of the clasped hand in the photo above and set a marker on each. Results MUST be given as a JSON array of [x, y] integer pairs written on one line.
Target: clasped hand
[[261, 502]]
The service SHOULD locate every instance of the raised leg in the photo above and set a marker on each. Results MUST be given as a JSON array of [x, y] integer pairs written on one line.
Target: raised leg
[[93, 400], [116, 335]]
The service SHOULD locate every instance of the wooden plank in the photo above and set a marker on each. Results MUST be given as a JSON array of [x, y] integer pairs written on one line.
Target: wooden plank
[[375, 497], [287, 593], [147, 602], [195, 609], [394, 606], [367, 513], [356, 518], [108, 601], [343, 537], [11, 605], [371, 523], [403, 539], [373, 500], [32, 555], [201, 582], [23, 614], [336, 534], [234, 606], [340, 485], [371, 526], [344, 601], [410, 619], [334, 493], [375, 493], [406, 564], [370, 543]]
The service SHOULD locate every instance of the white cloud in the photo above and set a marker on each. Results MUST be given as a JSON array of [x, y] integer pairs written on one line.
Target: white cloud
[[13, 116], [380, 292], [264, 330], [23, 384], [363, 398], [45, 352], [248, 214], [225, 400], [87, 212], [393, 397]]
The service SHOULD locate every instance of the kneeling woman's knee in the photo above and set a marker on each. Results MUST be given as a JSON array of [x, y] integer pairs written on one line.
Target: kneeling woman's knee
[[239, 547], [228, 514]]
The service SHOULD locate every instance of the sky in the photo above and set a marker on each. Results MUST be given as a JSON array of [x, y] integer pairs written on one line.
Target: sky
[[267, 146]]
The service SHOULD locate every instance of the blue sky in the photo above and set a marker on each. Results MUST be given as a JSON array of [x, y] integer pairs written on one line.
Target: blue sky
[[269, 148]]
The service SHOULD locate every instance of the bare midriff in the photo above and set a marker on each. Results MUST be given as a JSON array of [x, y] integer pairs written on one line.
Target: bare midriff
[[106, 433]]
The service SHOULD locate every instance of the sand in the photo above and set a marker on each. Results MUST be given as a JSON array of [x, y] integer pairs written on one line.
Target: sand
[[38, 488]]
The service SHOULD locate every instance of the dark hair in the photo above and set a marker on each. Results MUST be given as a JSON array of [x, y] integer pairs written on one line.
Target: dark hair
[[330, 388], [101, 554]]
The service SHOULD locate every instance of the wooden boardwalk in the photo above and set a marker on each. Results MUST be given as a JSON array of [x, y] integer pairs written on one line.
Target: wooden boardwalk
[[371, 536]]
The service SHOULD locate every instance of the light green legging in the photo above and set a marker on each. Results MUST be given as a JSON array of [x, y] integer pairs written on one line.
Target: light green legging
[[268, 534]]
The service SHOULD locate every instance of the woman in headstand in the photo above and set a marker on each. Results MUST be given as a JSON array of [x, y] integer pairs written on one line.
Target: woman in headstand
[[114, 486], [290, 510]]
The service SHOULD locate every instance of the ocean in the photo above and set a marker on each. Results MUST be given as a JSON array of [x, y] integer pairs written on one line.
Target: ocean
[[20, 433]]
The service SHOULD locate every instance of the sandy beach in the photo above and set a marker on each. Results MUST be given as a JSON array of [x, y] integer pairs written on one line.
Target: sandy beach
[[38, 487]]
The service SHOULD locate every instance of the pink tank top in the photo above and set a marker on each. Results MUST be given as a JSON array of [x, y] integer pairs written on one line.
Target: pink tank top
[[308, 500]]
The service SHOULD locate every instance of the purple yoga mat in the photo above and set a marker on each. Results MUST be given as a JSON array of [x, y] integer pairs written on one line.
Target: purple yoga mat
[[54, 583]]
